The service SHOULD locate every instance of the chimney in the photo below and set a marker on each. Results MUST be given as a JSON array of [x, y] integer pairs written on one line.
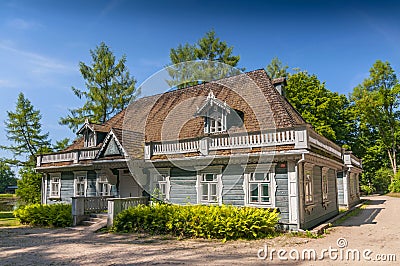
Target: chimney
[[279, 84]]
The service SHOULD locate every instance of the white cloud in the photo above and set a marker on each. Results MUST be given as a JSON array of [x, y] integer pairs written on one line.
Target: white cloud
[[41, 63]]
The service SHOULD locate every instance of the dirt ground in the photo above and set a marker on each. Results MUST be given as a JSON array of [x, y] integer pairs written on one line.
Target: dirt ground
[[376, 228]]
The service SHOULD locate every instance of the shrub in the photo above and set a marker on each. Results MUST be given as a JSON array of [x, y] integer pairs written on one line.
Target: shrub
[[368, 189], [395, 185], [222, 222], [57, 215]]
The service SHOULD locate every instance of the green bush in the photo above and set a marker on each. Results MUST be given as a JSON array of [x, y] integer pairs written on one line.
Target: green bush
[[222, 222], [57, 215], [368, 189], [395, 185]]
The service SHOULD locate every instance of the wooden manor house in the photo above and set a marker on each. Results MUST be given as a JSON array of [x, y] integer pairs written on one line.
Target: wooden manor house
[[234, 141]]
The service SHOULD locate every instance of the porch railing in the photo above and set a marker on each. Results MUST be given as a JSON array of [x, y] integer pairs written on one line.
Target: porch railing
[[83, 206], [117, 205], [72, 156]]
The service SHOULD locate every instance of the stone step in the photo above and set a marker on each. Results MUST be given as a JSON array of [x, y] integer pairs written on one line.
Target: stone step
[[88, 223], [99, 215]]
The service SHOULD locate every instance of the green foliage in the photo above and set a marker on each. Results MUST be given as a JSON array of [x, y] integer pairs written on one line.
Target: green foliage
[[394, 186], [57, 215], [276, 69], [24, 129], [109, 88], [368, 189], [376, 102], [7, 176], [382, 180], [29, 186], [328, 112], [185, 72], [61, 144], [221, 222]]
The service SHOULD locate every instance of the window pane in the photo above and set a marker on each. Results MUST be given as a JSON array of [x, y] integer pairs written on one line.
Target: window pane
[[259, 176], [213, 188], [254, 190], [265, 190], [205, 190], [209, 177]]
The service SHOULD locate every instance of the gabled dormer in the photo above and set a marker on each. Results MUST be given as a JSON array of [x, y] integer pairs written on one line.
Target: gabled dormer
[[93, 134], [218, 116], [112, 145]]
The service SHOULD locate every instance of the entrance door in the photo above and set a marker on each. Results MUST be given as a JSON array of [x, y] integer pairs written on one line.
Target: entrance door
[[128, 187]]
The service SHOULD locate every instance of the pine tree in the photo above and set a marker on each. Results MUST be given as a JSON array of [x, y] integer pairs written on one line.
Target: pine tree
[[208, 59], [109, 89], [24, 129]]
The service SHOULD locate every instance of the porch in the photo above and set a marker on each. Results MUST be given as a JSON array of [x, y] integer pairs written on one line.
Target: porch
[[83, 207]]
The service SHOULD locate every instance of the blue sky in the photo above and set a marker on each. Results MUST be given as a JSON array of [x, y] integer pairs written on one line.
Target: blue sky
[[42, 42]]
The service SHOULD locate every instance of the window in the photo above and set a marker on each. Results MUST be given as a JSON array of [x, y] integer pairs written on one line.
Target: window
[[55, 185], [259, 188], [161, 183], [103, 187], [208, 188], [215, 125], [308, 187], [163, 186], [89, 138], [80, 184], [324, 187]]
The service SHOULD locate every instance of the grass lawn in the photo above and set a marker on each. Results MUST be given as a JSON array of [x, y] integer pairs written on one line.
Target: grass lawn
[[8, 219]]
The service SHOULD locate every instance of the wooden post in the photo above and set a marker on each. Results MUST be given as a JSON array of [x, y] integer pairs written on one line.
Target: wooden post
[[78, 210]]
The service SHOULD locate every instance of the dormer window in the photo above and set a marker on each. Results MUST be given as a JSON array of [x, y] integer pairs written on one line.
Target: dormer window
[[215, 114], [89, 139]]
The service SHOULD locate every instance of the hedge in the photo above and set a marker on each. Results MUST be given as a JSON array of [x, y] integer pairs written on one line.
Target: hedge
[[57, 215], [221, 222]]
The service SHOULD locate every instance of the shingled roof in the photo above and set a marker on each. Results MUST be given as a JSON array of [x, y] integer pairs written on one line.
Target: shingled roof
[[170, 116]]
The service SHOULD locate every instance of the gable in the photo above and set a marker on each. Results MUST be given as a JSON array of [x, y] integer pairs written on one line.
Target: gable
[[112, 148]]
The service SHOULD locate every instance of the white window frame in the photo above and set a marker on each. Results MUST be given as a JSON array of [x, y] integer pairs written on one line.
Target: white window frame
[[77, 181], [325, 184], [101, 183], [53, 177], [216, 171], [213, 125], [259, 185], [268, 170], [90, 138], [160, 177], [308, 187]]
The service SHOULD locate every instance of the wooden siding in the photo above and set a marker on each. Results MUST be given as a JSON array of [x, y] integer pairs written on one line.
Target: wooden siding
[[318, 212], [281, 194], [232, 188], [183, 186]]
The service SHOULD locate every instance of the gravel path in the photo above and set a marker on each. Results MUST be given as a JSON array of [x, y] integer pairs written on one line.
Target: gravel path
[[375, 228]]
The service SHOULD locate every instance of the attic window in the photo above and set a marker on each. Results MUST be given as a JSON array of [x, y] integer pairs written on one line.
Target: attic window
[[215, 120], [89, 138]]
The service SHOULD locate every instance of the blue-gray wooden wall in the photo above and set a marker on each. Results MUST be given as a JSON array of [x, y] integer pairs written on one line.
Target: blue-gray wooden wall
[[282, 195], [319, 213]]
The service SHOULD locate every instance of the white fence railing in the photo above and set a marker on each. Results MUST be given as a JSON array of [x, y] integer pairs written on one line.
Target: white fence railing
[[226, 142], [176, 147], [117, 205], [74, 156], [254, 140]]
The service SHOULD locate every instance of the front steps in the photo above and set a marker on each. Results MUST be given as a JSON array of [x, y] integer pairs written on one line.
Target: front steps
[[96, 222]]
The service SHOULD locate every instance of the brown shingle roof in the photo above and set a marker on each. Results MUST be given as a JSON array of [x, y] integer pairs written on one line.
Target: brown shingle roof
[[170, 115]]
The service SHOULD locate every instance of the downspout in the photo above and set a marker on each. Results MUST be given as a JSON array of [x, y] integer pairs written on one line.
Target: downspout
[[298, 189]]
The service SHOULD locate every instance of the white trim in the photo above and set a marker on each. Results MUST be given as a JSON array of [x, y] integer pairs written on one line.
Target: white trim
[[215, 170], [100, 183], [110, 136], [52, 177], [267, 169], [308, 173], [155, 173], [325, 182], [78, 174]]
